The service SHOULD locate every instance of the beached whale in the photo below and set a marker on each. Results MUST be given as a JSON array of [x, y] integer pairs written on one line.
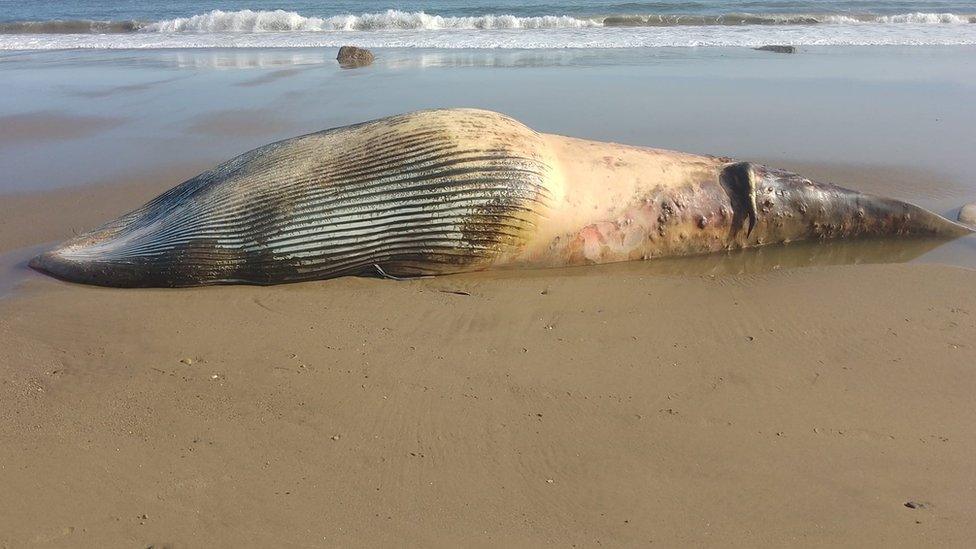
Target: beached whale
[[456, 190]]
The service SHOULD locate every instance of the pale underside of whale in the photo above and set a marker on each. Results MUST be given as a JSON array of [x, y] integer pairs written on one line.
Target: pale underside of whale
[[457, 190]]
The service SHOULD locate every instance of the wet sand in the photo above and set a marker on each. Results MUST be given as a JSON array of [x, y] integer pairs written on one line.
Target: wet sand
[[51, 126], [589, 406], [794, 395], [31, 219]]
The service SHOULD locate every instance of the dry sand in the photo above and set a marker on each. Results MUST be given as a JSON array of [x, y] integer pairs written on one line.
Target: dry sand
[[614, 405]]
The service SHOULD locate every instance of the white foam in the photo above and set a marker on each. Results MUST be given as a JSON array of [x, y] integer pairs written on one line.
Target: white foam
[[560, 38], [282, 21], [917, 18], [285, 21], [926, 18], [396, 29]]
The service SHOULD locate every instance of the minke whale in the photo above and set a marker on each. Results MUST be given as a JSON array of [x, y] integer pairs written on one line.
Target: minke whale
[[457, 190]]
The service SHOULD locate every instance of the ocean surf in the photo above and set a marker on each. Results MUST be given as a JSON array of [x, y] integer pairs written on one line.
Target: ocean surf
[[402, 29]]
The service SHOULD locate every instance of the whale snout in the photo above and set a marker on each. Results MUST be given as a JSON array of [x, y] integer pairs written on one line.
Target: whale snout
[[62, 264], [50, 263], [125, 256]]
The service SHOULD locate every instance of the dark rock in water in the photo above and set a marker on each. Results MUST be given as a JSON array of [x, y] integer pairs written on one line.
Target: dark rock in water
[[351, 56], [967, 215], [777, 49]]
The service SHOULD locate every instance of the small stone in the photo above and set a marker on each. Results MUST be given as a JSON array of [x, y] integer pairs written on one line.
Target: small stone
[[144, 516], [188, 361], [750, 338], [335, 437], [351, 57], [967, 214], [549, 481], [911, 504], [777, 49]]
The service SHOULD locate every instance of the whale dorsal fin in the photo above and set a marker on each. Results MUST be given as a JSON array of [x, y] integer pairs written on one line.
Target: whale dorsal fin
[[740, 183]]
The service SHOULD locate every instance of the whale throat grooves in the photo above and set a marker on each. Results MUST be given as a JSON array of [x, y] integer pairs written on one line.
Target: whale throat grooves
[[405, 195]]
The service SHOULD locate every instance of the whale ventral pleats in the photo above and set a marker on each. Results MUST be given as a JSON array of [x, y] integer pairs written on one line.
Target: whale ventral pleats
[[425, 193]]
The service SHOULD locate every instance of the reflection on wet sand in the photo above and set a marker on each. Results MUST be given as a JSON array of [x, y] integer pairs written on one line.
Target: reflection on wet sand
[[270, 77], [52, 126], [386, 58], [771, 258], [800, 254], [244, 59], [755, 261], [397, 60], [498, 59], [175, 59], [960, 252], [114, 90], [237, 122]]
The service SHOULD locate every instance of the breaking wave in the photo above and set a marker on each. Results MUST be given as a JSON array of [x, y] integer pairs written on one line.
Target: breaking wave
[[248, 21], [399, 29], [283, 21], [744, 19]]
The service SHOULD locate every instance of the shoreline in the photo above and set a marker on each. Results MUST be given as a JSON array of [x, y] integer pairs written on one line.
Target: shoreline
[[500, 51], [319, 52]]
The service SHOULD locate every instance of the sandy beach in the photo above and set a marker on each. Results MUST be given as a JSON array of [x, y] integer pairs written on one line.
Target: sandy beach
[[804, 395]]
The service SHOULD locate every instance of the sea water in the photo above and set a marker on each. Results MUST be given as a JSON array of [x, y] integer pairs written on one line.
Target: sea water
[[514, 24]]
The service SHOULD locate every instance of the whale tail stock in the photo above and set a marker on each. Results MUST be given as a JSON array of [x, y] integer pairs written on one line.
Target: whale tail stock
[[781, 206], [624, 203]]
